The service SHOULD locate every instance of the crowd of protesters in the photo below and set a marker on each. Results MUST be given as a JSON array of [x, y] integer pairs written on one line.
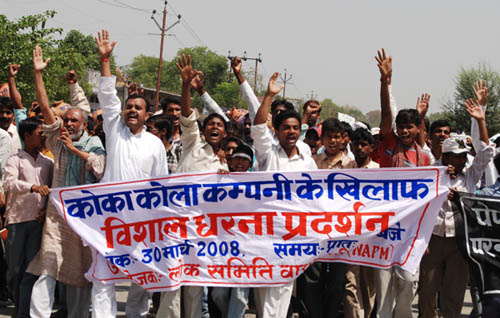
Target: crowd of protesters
[[60, 145]]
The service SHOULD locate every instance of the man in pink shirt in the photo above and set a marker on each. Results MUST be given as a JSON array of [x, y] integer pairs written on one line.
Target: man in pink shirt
[[28, 176]]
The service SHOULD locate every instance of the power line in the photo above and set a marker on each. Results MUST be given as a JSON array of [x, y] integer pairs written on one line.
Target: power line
[[188, 28]]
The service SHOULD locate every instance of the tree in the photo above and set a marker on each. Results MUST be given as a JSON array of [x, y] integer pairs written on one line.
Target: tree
[[454, 109], [373, 118], [18, 41]]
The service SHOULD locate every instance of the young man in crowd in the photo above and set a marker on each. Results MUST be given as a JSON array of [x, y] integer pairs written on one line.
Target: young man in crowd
[[79, 159], [396, 287], [172, 109], [439, 132], [313, 139], [133, 153], [359, 298], [233, 301], [198, 154], [320, 289], [161, 127], [332, 138], [28, 177], [443, 269], [277, 105], [271, 156]]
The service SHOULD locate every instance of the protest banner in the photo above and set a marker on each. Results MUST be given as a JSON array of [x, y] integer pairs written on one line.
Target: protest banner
[[252, 229], [478, 236]]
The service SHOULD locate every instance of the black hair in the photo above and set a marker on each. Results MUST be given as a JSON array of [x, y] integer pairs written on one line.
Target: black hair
[[438, 124], [170, 100], [284, 102], [496, 161], [6, 102], [282, 116], [212, 115], [426, 124], [332, 125], [162, 122], [227, 140], [312, 133], [497, 141], [136, 96], [347, 128], [362, 134], [28, 126], [408, 116]]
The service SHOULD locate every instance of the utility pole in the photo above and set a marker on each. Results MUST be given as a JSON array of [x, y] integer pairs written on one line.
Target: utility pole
[[257, 61], [163, 30], [285, 80], [312, 95]]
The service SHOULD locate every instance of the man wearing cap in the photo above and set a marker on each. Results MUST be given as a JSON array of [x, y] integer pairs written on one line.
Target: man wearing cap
[[232, 301], [443, 269]]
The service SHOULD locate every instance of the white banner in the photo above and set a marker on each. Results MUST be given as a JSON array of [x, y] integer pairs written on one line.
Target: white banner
[[253, 229], [346, 118]]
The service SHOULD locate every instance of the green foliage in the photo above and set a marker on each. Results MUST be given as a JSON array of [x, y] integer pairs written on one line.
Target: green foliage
[[19, 38], [227, 95], [453, 108], [373, 118], [437, 116]]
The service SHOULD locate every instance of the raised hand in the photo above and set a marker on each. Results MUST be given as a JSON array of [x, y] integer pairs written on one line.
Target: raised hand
[[134, 90], [186, 69], [474, 109], [236, 65], [481, 92], [273, 87], [38, 63], [423, 104], [13, 69], [104, 45], [384, 64], [197, 83]]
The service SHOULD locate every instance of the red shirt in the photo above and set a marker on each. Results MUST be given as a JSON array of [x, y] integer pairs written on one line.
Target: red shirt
[[386, 151]]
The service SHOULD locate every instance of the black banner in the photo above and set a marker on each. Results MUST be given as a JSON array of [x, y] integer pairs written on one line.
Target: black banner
[[478, 237]]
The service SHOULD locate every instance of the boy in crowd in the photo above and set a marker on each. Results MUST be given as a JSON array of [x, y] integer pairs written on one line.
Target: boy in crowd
[[332, 138], [28, 176], [359, 298], [443, 269], [271, 156], [232, 301], [439, 132], [396, 287], [161, 127], [313, 139]]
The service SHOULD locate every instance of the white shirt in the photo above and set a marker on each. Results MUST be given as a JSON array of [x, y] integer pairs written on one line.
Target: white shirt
[[210, 106], [5, 151], [465, 182], [253, 106], [16, 141], [129, 156], [272, 157], [197, 154]]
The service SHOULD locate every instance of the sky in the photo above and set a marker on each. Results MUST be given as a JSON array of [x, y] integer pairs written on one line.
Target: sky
[[327, 46]]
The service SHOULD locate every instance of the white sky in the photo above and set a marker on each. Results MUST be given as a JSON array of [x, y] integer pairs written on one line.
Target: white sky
[[327, 45]]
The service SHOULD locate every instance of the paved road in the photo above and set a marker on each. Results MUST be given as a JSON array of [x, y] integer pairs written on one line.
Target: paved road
[[121, 296]]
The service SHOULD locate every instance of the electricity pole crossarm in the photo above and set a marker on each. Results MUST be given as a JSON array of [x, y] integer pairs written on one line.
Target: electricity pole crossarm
[[257, 61], [163, 30], [285, 80]]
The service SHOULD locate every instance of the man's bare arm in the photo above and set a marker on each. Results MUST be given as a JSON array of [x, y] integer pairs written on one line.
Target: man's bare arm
[[105, 47], [273, 88], [14, 93], [384, 64], [41, 94]]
